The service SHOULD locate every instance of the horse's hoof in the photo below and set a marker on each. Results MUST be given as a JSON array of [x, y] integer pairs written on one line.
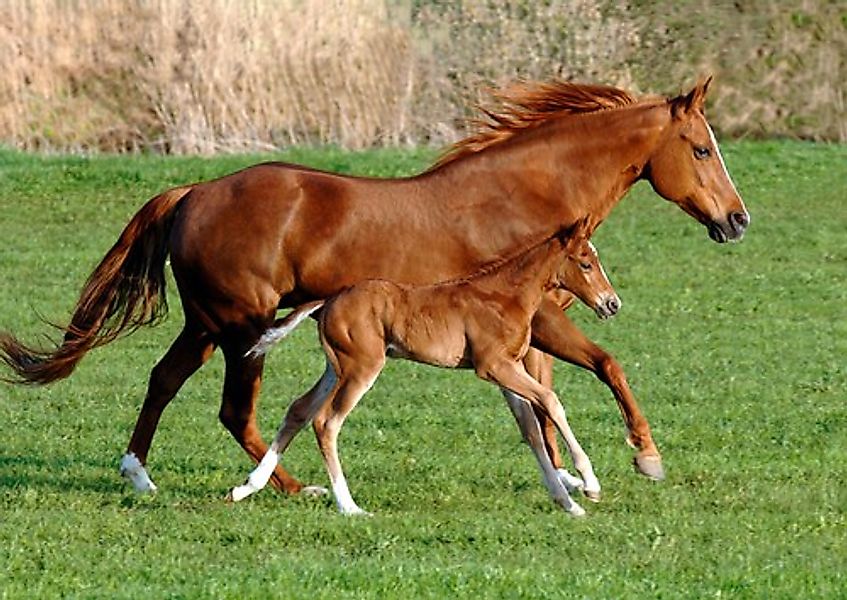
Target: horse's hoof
[[650, 466], [576, 510], [593, 495], [132, 469], [312, 491]]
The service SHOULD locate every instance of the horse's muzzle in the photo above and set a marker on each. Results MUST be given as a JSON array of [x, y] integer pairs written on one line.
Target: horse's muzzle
[[730, 230], [608, 307]]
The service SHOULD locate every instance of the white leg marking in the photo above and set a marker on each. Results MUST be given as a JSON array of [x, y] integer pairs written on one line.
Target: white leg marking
[[257, 479], [132, 469], [550, 476], [346, 505], [572, 483]]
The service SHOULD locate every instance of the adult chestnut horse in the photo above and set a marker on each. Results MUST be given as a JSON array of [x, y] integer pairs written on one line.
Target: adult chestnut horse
[[278, 235]]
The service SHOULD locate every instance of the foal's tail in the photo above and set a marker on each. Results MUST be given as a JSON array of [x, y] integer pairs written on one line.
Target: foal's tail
[[282, 327], [125, 291]]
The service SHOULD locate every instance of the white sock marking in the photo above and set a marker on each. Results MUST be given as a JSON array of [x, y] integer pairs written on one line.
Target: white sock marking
[[345, 502], [258, 477], [572, 483], [132, 469]]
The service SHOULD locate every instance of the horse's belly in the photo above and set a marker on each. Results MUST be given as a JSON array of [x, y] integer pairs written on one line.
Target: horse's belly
[[449, 354]]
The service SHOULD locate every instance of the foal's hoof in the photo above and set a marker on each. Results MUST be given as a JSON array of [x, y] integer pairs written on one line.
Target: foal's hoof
[[572, 483], [650, 466], [593, 495], [355, 512]]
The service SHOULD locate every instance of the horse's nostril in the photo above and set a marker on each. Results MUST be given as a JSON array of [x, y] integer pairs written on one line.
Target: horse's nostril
[[741, 219], [612, 305]]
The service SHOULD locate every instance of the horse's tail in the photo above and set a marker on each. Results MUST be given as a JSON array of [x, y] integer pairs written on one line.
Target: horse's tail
[[125, 291], [282, 327]]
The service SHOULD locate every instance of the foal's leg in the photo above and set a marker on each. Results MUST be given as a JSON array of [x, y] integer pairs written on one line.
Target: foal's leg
[[355, 379], [242, 381], [554, 333], [189, 351], [559, 488], [299, 414], [514, 377], [540, 366]]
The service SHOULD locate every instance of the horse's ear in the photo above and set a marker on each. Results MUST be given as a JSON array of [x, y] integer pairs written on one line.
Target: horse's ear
[[693, 100]]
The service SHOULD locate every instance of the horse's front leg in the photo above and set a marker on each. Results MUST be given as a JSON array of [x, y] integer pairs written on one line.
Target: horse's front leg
[[540, 367], [553, 332], [558, 487]]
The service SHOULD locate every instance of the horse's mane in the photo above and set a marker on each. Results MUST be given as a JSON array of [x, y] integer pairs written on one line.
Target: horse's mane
[[527, 104]]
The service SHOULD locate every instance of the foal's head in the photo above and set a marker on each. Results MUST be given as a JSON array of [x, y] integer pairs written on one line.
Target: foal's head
[[687, 169], [582, 274]]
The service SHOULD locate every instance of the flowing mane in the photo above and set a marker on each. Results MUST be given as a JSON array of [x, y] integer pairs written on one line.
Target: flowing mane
[[527, 104]]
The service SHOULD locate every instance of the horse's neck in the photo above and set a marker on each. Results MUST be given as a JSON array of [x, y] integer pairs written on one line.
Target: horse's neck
[[527, 276], [561, 170]]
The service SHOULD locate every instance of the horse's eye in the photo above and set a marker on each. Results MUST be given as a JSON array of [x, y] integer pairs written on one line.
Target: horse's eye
[[585, 266], [701, 152]]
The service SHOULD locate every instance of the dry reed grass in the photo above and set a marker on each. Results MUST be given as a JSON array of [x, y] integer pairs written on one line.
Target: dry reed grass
[[226, 75]]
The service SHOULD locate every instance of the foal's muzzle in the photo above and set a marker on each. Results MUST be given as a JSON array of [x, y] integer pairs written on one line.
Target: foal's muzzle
[[608, 306], [730, 230]]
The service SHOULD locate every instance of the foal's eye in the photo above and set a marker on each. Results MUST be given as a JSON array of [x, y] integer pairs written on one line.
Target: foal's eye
[[701, 152]]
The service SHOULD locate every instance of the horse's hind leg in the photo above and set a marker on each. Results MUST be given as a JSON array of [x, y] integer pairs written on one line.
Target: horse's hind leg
[[355, 379], [299, 414], [189, 351], [242, 382]]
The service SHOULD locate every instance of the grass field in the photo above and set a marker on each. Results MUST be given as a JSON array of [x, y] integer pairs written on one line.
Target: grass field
[[738, 354]]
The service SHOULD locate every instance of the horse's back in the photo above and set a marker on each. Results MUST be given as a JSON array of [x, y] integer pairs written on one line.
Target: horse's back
[[228, 244]]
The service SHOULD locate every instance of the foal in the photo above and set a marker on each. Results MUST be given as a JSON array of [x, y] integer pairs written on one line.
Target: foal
[[480, 322]]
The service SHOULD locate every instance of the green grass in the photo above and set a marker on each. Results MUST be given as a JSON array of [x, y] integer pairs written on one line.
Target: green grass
[[736, 352]]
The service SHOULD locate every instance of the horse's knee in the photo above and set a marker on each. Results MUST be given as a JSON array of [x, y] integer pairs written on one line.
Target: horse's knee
[[610, 371], [319, 425]]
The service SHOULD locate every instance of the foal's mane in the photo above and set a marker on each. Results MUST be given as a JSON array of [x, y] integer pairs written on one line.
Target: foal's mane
[[527, 104], [500, 263]]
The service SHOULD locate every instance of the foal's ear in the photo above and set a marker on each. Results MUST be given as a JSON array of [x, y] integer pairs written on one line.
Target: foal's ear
[[579, 232], [693, 100]]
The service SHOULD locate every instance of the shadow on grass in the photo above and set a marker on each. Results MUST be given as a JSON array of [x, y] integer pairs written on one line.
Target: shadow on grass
[[85, 474], [57, 473]]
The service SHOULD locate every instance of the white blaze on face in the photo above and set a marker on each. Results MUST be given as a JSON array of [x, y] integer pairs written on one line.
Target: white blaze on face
[[599, 264], [719, 155]]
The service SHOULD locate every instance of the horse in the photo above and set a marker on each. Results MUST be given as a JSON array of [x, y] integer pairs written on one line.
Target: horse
[[480, 322], [276, 235]]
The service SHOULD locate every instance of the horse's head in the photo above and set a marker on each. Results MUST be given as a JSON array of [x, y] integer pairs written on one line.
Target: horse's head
[[687, 168], [581, 272]]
